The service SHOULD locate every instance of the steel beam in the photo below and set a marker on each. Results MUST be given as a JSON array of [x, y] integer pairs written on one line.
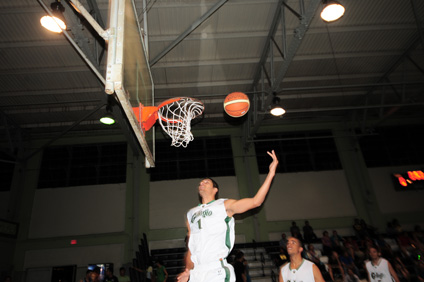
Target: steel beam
[[187, 32], [305, 18]]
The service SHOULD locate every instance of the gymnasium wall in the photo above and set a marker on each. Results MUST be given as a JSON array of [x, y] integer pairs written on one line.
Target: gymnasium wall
[[78, 211], [309, 195], [391, 201]]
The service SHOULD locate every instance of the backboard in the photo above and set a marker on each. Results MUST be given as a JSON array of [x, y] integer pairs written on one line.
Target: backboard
[[128, 72]]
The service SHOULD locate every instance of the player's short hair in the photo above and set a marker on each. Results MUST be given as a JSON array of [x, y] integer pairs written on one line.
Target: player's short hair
[[375, 248], [214, 184], [300, 241]]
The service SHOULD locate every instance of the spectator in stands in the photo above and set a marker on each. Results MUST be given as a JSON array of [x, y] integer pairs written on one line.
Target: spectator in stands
[[327, 247], [298, 269], [390, 230], [95, 274], [239, 267], [87, 276], [405, 244], [420, 271], [149, 271], [109, 277], [282, 258], [122, 275], [360, 232], [396, 225], [161, 273], [378, 268], [211, 229], [370, 230], [348, 262], [348, 245], [418, 237], [308, 233], [283, 242], [384, 247], [359, 254], [351, 276], [336, 241], [335, 267], [368, 243], [401, 270], [313, 255], [295, 231]]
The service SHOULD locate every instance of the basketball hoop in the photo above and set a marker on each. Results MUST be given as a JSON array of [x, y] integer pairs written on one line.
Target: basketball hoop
[[175, 117]]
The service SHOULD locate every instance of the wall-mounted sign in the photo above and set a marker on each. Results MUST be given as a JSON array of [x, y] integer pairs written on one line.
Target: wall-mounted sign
[[409, 180]]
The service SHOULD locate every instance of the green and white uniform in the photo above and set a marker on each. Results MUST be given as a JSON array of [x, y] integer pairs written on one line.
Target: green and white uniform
[[304, 273], [211, 241], [379, 272]]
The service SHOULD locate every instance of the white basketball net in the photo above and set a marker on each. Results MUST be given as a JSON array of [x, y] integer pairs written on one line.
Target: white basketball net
[[175, 119]]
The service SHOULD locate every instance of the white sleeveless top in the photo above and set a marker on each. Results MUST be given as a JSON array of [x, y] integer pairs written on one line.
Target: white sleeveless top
[[211, 232], [379, 272], [304, 273]]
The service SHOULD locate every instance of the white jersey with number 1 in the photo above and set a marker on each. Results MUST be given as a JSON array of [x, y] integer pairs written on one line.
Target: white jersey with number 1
[[211, 232]]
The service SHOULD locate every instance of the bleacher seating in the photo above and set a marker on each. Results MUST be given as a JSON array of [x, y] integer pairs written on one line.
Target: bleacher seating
[[261, 258]]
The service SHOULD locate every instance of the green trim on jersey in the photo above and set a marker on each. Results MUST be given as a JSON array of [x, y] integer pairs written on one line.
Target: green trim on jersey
[[227, 271], [227, 236], [207, 203], [303, 260]]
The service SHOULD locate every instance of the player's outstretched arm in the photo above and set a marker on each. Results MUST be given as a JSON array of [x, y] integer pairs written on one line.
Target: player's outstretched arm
[[317, 274], [240, 206], [393, 272], [185, 275]]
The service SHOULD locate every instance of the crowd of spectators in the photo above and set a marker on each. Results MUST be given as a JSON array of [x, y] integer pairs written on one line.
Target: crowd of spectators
[[343, 258]]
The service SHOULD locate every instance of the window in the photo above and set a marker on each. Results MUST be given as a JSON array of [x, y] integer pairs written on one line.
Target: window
[[394, 146], [83, 165], [301, 151], [203, 157]]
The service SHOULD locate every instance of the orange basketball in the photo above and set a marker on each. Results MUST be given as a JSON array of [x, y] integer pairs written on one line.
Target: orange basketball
[[236, 104]]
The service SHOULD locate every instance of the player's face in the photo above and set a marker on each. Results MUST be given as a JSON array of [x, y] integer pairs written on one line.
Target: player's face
[[293, 246], [206, 188], [373, 253]]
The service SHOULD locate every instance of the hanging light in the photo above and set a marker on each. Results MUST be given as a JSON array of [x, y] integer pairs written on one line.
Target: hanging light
[[108, 118], [276, 109], [332, 11], [57, 22]]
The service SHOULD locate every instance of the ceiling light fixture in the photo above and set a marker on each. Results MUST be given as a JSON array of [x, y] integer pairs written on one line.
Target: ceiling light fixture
[[108, 118], [57, 22], [276, 109], [332, 10]]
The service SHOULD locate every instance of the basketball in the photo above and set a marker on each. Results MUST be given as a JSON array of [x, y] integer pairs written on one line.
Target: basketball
[[236, 104]]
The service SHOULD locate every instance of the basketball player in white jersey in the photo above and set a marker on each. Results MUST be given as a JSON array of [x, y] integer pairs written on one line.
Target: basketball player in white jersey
[[211, 230], [298, 269], [379, 269]]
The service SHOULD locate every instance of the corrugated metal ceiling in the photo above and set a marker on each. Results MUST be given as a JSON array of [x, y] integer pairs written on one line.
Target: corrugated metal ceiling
[[372, 56]]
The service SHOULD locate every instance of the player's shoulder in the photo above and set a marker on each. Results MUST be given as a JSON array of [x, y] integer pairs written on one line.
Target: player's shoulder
[[286, 265], [193, 209], [308, 262]]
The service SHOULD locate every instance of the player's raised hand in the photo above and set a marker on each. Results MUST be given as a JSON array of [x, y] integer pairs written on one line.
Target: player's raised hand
[[274, 164], [184, 276]]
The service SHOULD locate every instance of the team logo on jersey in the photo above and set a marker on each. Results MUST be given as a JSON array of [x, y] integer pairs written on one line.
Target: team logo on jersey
[[201, 213], [375, 275]]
